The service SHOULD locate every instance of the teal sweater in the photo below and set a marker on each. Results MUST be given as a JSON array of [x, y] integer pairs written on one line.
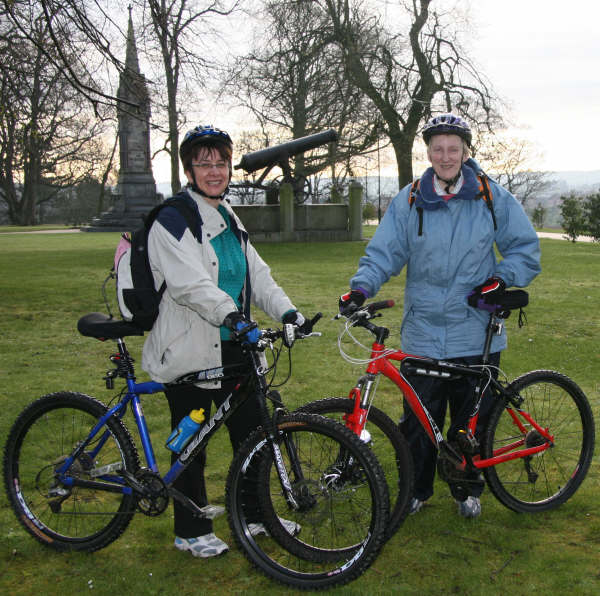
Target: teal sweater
[[232, 265]]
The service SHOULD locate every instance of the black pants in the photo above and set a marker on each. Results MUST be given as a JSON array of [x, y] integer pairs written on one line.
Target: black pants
[[242, 422], [436, 395]]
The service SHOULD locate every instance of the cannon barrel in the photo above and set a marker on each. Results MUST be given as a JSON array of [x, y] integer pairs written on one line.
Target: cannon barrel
[[270, 156]]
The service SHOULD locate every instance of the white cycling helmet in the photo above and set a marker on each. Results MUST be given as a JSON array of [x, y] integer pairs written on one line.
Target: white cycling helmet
[[447, 124]]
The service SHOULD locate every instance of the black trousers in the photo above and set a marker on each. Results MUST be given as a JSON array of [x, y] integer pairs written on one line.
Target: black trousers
[[243, 421], [437, 395]]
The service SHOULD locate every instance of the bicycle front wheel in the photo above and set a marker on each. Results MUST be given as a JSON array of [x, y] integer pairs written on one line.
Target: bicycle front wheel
[[547, 479], [341, 504], [58, 515], [390, 448]]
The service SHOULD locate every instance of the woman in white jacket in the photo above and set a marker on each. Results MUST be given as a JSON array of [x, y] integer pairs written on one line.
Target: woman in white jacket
[[213, 274]]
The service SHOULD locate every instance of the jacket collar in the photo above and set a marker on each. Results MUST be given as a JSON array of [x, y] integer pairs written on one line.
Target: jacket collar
[[427, 198], [212, 219]]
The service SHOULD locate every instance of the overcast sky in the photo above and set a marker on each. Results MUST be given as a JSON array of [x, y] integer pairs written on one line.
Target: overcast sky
[[544, 58]]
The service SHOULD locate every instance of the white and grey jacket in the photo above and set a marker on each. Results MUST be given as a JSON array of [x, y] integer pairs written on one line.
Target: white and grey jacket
[[186, 336]]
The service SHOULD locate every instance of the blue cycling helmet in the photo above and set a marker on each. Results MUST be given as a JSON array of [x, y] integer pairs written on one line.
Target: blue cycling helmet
[[202, 134], [447, 124], [213, 138]]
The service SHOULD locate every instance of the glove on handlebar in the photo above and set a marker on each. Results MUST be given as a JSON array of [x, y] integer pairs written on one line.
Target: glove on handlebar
[[295, 317], [491, 290], [356, 297], [238, 323]]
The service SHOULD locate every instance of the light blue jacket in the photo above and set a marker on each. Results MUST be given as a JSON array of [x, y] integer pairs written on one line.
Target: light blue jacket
[[454, 254]]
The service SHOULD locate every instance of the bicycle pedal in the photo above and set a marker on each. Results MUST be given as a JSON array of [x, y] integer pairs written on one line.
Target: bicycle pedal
[[212, 511]]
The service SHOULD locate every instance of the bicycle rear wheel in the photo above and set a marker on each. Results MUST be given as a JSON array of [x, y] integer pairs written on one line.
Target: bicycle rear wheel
[[342, 497], [390, 448], [41, 439], [545, 480]]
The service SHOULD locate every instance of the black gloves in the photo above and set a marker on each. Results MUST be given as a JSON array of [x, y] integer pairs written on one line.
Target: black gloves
[[491, 289], [239, 324], [353, 297], [488, 294], [295, 318]]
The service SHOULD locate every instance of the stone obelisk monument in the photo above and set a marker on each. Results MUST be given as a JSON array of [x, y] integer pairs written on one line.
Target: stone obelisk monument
[[136, 189]]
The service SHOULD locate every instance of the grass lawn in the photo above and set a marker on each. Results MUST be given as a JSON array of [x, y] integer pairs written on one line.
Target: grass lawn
[[49, 281]]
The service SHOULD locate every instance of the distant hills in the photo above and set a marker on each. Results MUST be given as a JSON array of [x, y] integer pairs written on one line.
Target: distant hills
[[567, 181], [575, 181]]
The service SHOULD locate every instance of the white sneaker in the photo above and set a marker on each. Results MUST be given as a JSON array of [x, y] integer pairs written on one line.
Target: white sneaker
[[204, 546], [470, 507], [415, 506], [291, 527]]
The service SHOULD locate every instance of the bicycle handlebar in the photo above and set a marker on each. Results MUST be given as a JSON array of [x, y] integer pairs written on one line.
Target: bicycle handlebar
[[375, 306], [273, 334], [368, 310], [510, 300], [271, 156]]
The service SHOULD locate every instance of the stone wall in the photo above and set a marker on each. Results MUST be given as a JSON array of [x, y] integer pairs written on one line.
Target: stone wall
[[288, 222]]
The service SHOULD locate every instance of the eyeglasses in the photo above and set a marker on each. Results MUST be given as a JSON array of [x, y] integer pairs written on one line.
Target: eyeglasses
[[207, 166]]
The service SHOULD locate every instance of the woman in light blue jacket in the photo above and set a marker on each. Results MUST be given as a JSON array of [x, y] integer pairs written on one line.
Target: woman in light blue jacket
[[443, 230]]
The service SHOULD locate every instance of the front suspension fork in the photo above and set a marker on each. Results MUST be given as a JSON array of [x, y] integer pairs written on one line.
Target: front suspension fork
[[361, 395]]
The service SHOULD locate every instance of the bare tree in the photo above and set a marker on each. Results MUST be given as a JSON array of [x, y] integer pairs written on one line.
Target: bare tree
[[409, 75], [510, 161], [79, 41], [293, 81], [48, 142], [180, 31], [175, 33]]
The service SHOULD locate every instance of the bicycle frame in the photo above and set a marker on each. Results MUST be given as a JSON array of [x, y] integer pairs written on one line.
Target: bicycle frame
[[380, 363], [125, 483]]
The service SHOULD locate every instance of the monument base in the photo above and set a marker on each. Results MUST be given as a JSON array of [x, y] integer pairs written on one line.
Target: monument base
[[119, 219]]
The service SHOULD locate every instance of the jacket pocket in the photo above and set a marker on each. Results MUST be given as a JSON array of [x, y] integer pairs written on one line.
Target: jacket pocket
[[168, 350], [173, 324]]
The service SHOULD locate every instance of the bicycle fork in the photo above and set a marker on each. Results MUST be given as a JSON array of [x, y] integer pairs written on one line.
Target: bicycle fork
[[361, 396]]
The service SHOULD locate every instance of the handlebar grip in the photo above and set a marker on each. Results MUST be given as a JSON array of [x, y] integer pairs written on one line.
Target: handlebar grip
[[375, 306], [315, 319]]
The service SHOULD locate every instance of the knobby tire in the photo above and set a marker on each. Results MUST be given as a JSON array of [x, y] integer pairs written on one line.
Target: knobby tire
[[545, 480], [66, 518], [344, 509], [390, 448]]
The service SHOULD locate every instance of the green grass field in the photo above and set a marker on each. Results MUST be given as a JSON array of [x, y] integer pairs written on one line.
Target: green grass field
[[49, 280]]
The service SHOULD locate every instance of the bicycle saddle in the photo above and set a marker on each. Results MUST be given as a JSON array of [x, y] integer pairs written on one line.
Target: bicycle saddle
[[101, 326]]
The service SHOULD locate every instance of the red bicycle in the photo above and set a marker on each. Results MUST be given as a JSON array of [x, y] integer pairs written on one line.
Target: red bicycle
[[534, 451]]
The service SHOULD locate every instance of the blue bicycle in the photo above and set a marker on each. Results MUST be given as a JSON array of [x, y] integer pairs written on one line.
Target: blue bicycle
[[74, 478]]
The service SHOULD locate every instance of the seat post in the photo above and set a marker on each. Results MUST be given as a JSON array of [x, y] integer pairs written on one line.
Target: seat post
[[126, 359], [494, 325]]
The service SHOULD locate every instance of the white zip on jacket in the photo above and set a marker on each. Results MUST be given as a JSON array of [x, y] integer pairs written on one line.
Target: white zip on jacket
[[186, 335]]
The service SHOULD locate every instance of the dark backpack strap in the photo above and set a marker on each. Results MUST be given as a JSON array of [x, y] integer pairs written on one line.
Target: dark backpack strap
[[412, 197], [485, 192], [188, 209], [420, 212]]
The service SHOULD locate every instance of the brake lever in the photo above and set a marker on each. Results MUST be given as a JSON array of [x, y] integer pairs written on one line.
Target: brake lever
[[311, 334], [347, 312], [354, 315]]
